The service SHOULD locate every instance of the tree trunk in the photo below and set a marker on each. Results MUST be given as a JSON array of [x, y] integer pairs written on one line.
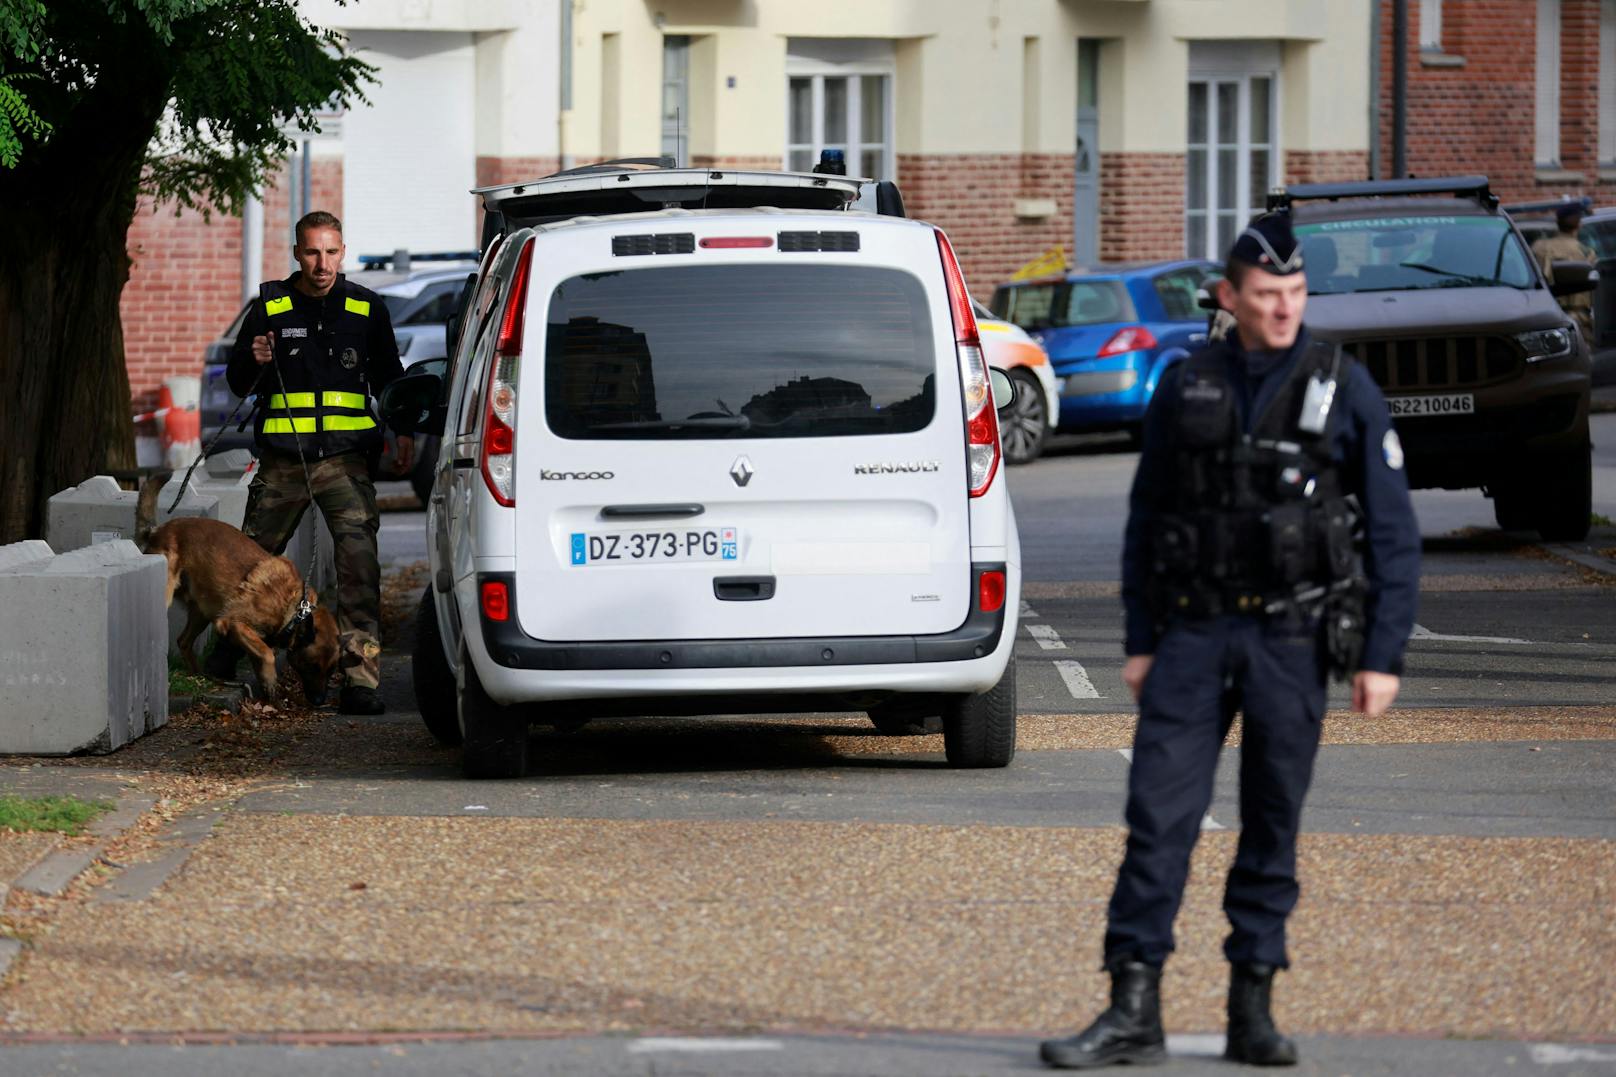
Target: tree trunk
[[64, 392]]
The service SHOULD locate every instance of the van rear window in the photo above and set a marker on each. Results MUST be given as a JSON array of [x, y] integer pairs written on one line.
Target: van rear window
[[739, 351]]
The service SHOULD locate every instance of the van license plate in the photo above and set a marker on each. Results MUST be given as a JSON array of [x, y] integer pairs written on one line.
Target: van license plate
[[1447, 404], [643, 547]]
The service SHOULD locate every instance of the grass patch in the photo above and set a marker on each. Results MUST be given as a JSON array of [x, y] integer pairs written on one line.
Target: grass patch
[[1598, 519], [183, 683], [67, 815]]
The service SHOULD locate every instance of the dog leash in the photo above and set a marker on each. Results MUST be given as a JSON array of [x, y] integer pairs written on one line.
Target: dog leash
[[305, 608], [207, 450]]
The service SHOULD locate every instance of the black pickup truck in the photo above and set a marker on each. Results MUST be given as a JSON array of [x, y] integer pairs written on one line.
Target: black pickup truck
[[1430, 285]]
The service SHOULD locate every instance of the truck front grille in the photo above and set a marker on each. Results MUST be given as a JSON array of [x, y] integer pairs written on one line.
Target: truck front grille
[[1438, 362]]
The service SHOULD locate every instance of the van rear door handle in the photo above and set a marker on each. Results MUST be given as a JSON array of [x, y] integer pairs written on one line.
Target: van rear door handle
[[645, 512], [743, 588]]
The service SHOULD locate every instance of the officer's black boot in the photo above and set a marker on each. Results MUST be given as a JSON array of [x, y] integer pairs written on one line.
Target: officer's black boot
[[1252, 1036], [1129, 1032]]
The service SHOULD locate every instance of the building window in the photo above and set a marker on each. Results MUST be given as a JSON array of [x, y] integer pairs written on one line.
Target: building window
[[1431, 25], [1607, 82], [1547, 151], [1230, 159], [676, 98], [839, 97]]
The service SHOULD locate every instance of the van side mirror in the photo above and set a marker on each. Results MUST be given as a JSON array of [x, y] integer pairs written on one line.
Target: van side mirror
[[1004, 389], [415, 404], [1572, 278]]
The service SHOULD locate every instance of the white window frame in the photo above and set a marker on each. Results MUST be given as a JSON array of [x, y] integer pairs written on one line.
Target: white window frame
[[1431, 25], [1607, 82], [851, 59], [1215, 62], [1546, 138]]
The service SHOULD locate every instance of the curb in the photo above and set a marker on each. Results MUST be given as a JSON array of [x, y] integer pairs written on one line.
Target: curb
[[1602, 565], [52, 874], [229, 697]]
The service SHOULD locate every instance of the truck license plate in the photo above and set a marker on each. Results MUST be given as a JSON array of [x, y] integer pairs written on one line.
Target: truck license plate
[[1445, 404], [643, 547]]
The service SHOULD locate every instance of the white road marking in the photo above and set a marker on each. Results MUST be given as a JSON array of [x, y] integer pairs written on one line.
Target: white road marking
[[1208, 823], [1421, 632], [1077, 680], [1556, 1054], [1196, 1044], [1047, 637], [698, 1044], [1028, 613]]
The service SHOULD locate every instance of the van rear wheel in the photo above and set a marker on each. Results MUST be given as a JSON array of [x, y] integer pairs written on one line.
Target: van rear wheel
[[979, 730], [434, 680], [494, 739]]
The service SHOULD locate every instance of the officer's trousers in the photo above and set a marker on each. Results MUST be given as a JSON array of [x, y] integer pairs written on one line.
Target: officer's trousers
[[1203, 671]]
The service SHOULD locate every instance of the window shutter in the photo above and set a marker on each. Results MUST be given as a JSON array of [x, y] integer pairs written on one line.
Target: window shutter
[[1548, 82], [1607, 81]]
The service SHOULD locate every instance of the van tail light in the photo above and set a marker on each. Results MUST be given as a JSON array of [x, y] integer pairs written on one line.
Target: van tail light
[[981, 422], [1132, 338], [499, 417], [990, 590], [496, 600]]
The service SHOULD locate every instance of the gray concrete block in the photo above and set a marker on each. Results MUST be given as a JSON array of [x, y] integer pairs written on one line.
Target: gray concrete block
[[83, 661], [232, 464], [96, 511]]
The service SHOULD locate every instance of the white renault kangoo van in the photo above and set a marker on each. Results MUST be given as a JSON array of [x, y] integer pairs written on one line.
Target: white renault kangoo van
[[712, 461]]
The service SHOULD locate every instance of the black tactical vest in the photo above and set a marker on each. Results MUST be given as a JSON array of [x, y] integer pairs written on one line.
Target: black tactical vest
[[1256, 519], [323, 356]]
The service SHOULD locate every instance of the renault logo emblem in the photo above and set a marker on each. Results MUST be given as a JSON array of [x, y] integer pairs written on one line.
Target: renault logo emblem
[[741, 471]]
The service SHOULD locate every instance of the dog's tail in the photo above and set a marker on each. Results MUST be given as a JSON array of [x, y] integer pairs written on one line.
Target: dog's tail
[[146, 508]]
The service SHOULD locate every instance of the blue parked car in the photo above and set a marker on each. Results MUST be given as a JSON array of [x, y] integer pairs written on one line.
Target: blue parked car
[[1110, 333]]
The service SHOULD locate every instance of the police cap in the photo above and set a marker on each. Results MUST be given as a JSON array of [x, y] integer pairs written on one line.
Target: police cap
[[1268, 244]]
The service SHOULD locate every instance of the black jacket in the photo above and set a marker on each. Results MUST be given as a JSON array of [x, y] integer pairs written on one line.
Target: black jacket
[[1370, 464], [334, 352]]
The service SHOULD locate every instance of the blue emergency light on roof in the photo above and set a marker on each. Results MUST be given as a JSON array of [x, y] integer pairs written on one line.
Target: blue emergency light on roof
[[832, 163]]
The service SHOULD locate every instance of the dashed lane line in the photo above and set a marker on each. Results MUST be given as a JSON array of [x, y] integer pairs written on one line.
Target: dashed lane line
[[1207, 822], [1421, 632], [1077, 680], [1046, 637]]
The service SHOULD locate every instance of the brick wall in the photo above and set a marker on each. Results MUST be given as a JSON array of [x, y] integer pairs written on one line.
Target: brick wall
[[1141, 206], [1326, 166], [973, 198], [185, 278], [1481, 117]]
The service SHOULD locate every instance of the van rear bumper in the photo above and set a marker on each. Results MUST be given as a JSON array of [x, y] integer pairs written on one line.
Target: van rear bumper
[[507, 645]]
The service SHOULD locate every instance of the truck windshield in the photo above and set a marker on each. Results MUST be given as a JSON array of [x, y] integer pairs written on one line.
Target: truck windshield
[[1387, 254], [739, 351]]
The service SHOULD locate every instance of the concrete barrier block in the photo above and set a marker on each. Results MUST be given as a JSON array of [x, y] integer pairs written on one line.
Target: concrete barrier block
[[231, 464], [97, 510], [83, 666]]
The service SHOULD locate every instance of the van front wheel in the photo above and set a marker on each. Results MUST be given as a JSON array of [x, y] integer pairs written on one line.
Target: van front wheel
[[979, 730], [494, 739]]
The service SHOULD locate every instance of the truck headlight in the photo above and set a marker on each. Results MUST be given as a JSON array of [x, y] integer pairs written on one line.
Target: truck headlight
[[1545, 344]]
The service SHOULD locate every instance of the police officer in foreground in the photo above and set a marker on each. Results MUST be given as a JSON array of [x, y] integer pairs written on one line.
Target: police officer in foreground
[[1566, 247], [1263, 455], [332, 342]]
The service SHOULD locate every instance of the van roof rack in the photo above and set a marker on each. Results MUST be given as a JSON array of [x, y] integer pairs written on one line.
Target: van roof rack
[[402, 258], [1475, 187]]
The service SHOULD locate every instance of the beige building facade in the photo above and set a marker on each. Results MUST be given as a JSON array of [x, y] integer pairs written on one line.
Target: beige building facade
[[1113, 129]]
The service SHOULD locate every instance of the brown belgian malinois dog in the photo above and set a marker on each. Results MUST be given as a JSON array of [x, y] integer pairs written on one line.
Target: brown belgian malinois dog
[[251, 597]]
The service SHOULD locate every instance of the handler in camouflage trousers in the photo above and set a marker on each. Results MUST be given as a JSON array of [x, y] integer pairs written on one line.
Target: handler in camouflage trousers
[[315, 348], [343, 489]]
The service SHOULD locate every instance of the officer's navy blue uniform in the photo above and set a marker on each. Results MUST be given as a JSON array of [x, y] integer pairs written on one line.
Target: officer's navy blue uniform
[[1271, 668]]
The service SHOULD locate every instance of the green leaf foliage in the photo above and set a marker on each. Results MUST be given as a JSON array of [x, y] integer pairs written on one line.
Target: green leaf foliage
[[232, 80]]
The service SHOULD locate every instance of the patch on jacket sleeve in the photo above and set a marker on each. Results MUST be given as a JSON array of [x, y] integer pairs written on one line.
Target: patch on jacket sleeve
[[1392, 449]]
